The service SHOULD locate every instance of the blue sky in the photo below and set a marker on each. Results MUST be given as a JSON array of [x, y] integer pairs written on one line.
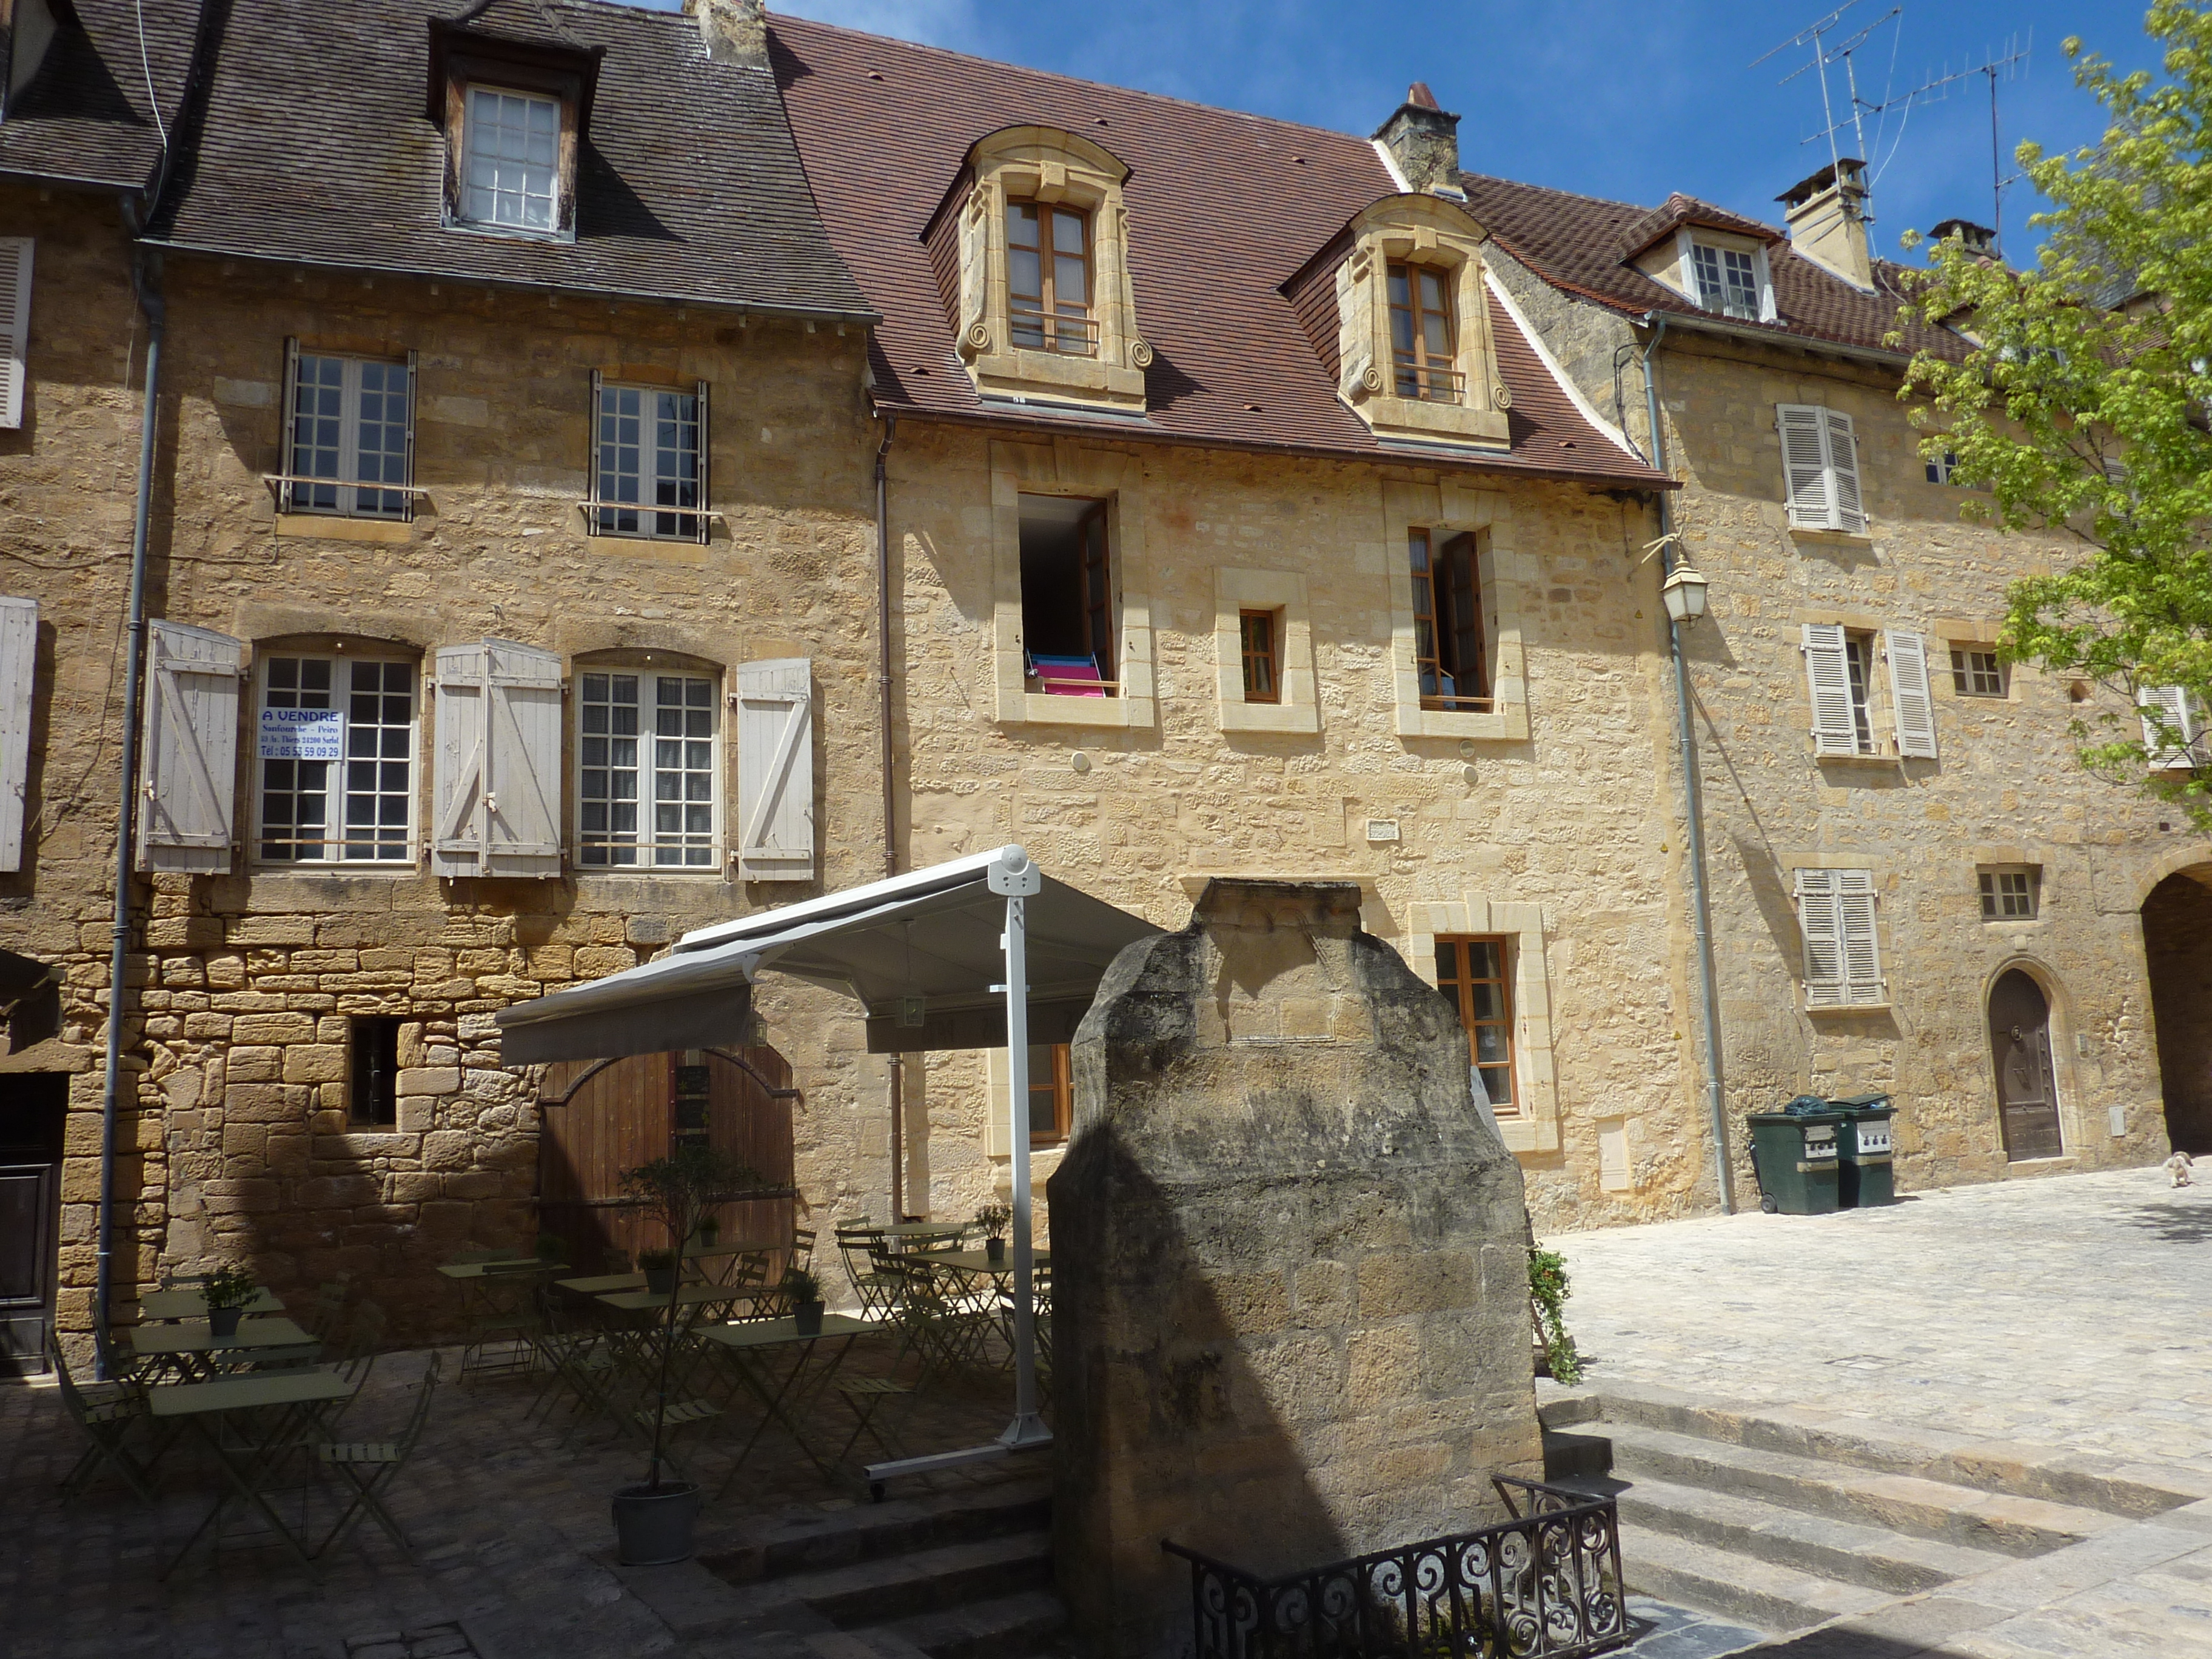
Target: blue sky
[[1608, 97]]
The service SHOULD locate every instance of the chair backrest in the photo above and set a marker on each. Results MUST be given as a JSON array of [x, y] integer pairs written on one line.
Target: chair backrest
[[329, 1306], [802, 1248], [365, 1335], [420, 1415]]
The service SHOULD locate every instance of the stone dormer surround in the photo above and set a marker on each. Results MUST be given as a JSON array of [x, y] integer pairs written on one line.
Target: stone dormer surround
[[1046, 164], [1420, 229]]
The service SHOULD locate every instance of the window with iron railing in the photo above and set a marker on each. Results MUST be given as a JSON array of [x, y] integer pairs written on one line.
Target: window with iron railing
[[1423, 342], [1049, 279]]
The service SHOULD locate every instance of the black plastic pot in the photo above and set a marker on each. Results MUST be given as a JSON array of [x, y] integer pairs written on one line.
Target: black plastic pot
[[806, 1318], [660, 1280], [223, 1322], [653, 1529], [995, 1249]]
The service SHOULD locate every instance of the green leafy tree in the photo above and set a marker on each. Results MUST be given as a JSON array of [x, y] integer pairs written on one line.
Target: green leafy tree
[[2082, 408]]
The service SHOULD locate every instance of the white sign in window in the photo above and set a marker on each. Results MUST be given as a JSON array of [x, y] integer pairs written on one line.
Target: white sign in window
[[302, 734]]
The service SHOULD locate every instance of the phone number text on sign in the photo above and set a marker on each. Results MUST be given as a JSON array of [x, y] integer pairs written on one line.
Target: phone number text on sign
[[302, 734]]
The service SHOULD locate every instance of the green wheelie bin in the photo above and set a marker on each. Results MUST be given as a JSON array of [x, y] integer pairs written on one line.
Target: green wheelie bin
[[1794, 1154], [1864, 1181]]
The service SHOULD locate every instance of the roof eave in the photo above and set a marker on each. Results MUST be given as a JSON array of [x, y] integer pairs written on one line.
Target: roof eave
[[1698, 323]]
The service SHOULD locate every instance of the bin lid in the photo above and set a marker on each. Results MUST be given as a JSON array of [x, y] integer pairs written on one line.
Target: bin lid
[[1862, 1103], [1806, 1106], [1765, 1120]]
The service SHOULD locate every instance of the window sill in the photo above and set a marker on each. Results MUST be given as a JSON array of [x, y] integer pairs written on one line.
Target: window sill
[[383, 869], [1437, 422], [1060, 375], [1883, 1007], [511, 233], [1036, 709], [1270, 717], [1851, 538], [339, 527], [1524, 1135], [1507, 723], [1875, 758]]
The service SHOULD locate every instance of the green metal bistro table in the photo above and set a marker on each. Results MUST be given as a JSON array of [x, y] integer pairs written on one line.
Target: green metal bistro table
[[497, 1300], [980, 1261], [191, 1347], [505, 1268], [191, 1303], [269, 1417], [751, 1350]]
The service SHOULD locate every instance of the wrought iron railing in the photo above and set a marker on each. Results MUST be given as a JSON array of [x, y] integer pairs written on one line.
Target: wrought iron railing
[[1543, 1585]]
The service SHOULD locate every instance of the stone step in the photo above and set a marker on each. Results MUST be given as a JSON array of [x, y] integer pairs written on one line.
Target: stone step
[[1900, 1502], [1845, 1551], [1002, 1628], [893, 1587], [1765, 1594], [811, 1541]]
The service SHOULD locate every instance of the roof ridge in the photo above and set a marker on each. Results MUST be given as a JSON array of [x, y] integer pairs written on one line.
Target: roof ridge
[[777, 18]]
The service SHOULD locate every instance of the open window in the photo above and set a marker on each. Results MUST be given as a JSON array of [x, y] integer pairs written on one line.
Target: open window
[[1423, 349], [1052, 1093], [1259, 634], [1048, 278], [1476, 974], [1450, 650], [1070, 631]]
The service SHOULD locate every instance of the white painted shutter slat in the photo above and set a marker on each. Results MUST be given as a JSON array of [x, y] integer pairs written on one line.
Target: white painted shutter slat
[[775, 770], [188, 761], [16, 319], [1818, 922], [497, 775], [1805, 465], [1909, 697], [1855, 921], [1844, 496], [1828, 685], [18, 651], [2165, 715]]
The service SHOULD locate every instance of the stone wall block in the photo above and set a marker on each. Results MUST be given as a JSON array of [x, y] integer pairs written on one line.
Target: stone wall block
[[271, 930], [274, 1028], [430, 1080], [315, 1062], [184, 933]]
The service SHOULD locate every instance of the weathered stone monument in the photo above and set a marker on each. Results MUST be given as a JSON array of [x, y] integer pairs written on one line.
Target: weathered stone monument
[[1291, 1318]]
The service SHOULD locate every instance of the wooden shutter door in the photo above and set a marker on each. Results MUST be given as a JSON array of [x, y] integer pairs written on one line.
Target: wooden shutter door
[[15, 321], [188, 764], [1805, 465], [496, 780], [1828, 686], [1844, 494], [2167, 734], [1855, 921], [1909, 696], [775, 770], [1100, 638], [19, 650]]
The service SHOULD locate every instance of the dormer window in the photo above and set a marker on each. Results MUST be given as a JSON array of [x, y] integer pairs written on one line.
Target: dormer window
[[1423, 350], [1049, 279], [1727, 280], [512, 91], [511, 173]]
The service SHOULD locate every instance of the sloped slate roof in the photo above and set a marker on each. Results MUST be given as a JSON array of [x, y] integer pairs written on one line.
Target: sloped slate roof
[[1678, 211], [310, 143], [1580, 243], [87, 115], [1223, 208]]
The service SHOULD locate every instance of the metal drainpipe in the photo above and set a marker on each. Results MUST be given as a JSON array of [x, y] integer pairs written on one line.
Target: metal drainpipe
[[890, 841], [1693, 798], [145, 279]]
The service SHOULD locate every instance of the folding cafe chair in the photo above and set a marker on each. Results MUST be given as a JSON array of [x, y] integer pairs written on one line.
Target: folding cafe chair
[[369, 1467], [109, 1413]]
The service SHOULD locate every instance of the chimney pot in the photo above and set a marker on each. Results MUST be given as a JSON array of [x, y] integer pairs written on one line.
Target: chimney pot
[[735, 31], [1420, 97]]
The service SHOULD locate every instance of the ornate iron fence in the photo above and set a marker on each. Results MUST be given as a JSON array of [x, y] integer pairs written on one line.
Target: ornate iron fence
[[1543, 1585]]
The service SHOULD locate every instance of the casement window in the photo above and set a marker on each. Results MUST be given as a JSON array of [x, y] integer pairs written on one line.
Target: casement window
[[335, 756], [188, 759], [1070, 634], [15, 326], [1941, 468], [1835, 917], [1820, 468], [511, 160], [1449, 645], [1727, 280], [1839, 672], [18, 651], [1976, 673], [349, 422], [1423, 343], [373, 1071], [1261, 635], [2172, 728], [1052, 1093], [495, 783], [649, 470], [1475, 974], [648, 762], [2010, 895], [1049, 279]]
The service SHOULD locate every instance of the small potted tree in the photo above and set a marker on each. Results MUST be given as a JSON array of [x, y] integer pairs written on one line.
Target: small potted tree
[[804, 1292], [653, 1520], [994, 1218], [228, 1291]]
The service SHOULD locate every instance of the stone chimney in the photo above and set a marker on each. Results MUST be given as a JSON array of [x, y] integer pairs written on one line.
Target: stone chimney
[[1980, 239], [1827, 221], [735, 31], [1424, 142]]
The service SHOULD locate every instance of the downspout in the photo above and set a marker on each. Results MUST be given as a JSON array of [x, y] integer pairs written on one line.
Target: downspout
[[890, 826], [1692, 794], [145, 280]]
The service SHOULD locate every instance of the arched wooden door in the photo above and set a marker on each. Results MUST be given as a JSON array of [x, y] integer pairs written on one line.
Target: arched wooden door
[[600, 1118], [2027, 1088]]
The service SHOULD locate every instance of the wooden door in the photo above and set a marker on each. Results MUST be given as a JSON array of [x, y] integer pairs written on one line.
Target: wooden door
[[30, 1186], [2028, 1089], [600, 1118]]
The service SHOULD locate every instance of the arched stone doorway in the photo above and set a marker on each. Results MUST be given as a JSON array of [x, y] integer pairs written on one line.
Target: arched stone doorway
[[2028, 1083], [2177, 924]]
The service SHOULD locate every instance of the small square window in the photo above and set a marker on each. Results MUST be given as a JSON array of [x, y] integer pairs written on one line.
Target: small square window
[[2009, 895], [1262, 632], [1976, 672], [372, 1070], [1940, 468], [1727, 280]]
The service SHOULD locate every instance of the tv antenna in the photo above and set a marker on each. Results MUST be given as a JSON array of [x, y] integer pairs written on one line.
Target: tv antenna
[[1824, 56], [2005, 62]]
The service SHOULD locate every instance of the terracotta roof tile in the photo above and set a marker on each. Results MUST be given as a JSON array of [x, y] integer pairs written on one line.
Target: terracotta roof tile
[[1678, 211]]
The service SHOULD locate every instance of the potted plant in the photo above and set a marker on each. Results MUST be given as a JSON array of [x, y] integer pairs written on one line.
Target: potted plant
[[1548, 1292], [228, 1291], [804, 1292], [994, 1218], [551, 1247], [710, 1230], [653, 1520]]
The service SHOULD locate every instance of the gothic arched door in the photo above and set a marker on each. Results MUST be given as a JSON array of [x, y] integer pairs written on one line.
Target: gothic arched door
[[2027, 1088], [600, 1118]]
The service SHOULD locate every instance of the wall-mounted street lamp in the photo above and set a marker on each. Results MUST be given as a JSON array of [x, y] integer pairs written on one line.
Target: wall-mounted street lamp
[[1684, 593]]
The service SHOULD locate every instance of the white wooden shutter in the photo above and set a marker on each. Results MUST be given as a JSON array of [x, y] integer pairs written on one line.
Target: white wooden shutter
[[1855, 920], [1909, 696], [2167, 713], [775, 770], [1805, 465], [1844, 494], [1828, 685], [188, 755], [497, 776], [1822, 931], [19, 650], [16, 319]]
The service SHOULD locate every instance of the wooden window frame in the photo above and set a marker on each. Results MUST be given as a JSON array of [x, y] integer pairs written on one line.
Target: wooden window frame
[[333, 859], [646, 845], [1859, 653], [1459, 986], [1717, 301], [350, 497], [1267, 655], [466, 72], [1061, 1083], [1432, 381], [1069, 334], [1435, 599], [1967, 675], [603, 515], [1996, 897]]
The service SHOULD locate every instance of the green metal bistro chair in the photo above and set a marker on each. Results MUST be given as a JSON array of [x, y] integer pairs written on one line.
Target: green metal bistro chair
[[109, 1413], [327, 1312], [370, 1467], [506, 1318], [876, 1286]]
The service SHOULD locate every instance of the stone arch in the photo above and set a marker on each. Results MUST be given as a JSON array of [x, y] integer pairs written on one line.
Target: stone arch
[[2067, 1103], [2177, 937]]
